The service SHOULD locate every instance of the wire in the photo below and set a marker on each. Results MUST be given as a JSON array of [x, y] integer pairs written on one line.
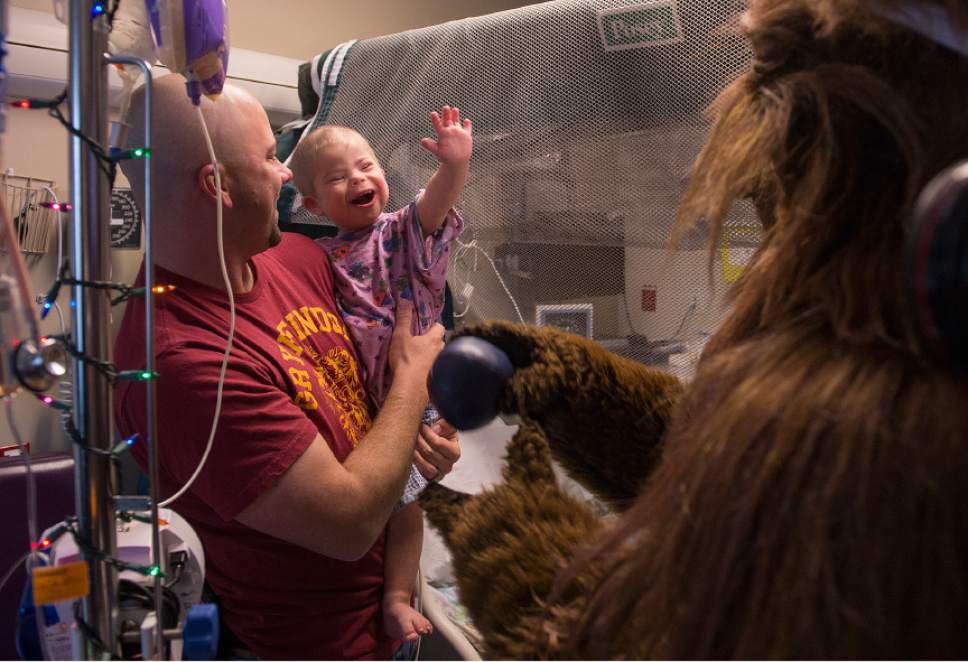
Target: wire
[[687, 315], [231, 336], [69, 525], [37, 559], [60, 246], [33, 556], [463, 248], [628, 317], [126, 291], [12, 569], [104, 161], [31, 483], [89, 633], [129, 590], [106, 368], [60, 317]]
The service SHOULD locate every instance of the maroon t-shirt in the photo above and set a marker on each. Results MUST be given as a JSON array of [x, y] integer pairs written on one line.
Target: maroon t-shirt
[[293, 373]]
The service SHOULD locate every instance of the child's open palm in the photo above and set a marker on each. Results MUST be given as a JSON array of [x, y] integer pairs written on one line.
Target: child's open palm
[[454, 142]]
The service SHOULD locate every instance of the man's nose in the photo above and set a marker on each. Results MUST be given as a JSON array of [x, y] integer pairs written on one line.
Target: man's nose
[[286, 173]]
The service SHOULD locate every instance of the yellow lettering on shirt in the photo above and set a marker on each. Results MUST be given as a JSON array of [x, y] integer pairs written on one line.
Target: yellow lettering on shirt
[[336, 323], [287, 356], [285, 338], [322, 321], [306, 400], [300, 378], [337, 376], [300, 320]]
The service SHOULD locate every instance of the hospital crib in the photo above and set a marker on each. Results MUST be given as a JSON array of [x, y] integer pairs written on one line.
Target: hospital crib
[[588, 115]]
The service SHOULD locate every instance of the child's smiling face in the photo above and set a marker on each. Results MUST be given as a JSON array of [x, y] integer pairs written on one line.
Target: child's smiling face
[[349, 185]]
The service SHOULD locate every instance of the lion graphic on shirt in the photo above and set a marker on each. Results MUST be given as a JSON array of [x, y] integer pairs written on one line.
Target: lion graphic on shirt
[[338, 374]]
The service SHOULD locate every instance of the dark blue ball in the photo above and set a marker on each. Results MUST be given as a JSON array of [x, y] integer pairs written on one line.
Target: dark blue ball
[[466, 381]]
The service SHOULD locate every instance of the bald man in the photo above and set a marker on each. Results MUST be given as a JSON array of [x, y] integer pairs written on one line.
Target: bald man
[[292, 503]]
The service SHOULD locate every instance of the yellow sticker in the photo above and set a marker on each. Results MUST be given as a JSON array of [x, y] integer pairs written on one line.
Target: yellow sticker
[[62, 582], [737, 250]]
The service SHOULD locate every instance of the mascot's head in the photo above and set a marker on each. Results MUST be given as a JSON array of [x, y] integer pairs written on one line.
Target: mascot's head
[[848, 109]]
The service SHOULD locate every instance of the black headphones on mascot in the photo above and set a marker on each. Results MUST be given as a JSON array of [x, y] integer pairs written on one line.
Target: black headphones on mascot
[[936, 267]]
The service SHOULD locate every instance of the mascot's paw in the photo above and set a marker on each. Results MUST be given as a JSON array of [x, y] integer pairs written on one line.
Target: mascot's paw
[[604, 416], [547, 363], [508, 544], [443, 507]]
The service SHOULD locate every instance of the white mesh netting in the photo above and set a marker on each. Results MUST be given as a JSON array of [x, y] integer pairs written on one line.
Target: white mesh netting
[[587, 117]]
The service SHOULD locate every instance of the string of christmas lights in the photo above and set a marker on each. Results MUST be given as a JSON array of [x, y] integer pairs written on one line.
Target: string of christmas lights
[[107, 160], [107, 163], [126, 291]]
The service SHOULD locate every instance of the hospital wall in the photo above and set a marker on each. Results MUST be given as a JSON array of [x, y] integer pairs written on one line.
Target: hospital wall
[[36, 145]]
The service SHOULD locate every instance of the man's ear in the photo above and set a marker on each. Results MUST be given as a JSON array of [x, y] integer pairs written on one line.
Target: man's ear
[[312, 204], [205, 178]]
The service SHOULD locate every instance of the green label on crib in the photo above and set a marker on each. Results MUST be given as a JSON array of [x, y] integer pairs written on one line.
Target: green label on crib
[[653, 23]]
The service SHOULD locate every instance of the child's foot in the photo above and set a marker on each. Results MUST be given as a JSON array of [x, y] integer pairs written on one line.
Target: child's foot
[[402, 621]]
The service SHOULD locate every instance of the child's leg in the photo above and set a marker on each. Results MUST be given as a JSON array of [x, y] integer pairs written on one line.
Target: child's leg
[[404, 543]]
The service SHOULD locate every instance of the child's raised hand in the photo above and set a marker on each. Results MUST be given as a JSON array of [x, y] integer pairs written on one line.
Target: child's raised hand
[[454, 143]]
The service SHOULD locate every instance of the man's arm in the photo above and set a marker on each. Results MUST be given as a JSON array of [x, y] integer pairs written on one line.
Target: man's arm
[[453, 150], [339, 510]]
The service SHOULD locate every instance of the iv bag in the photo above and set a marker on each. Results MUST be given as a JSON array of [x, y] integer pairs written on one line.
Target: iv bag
[[191, 37]]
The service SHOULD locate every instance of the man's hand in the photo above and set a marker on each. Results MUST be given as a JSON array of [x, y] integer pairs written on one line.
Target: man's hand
[[411, 356], [454, 142], [438, 449]]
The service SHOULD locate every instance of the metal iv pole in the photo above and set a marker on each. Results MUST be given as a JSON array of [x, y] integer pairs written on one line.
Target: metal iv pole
[[91, 198]]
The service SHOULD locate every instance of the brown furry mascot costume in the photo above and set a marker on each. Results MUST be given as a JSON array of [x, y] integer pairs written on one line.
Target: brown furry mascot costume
[[807, 495]]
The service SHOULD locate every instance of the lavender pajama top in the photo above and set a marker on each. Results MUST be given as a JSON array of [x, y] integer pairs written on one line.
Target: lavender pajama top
[[376, 267]]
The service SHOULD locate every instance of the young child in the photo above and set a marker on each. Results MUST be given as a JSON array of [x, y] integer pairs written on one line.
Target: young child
[[379, 258]]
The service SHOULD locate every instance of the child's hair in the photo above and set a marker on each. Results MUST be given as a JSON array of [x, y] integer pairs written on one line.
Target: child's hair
[[303, 163]]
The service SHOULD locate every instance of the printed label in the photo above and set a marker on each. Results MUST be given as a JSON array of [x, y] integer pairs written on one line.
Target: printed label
[[62, 582], [650, 24]]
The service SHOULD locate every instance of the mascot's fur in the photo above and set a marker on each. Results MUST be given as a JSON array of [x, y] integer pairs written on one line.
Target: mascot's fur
[[805, 497]]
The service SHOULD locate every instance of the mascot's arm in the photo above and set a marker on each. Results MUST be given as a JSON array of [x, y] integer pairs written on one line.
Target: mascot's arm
[[508, 544], [603, 416]]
